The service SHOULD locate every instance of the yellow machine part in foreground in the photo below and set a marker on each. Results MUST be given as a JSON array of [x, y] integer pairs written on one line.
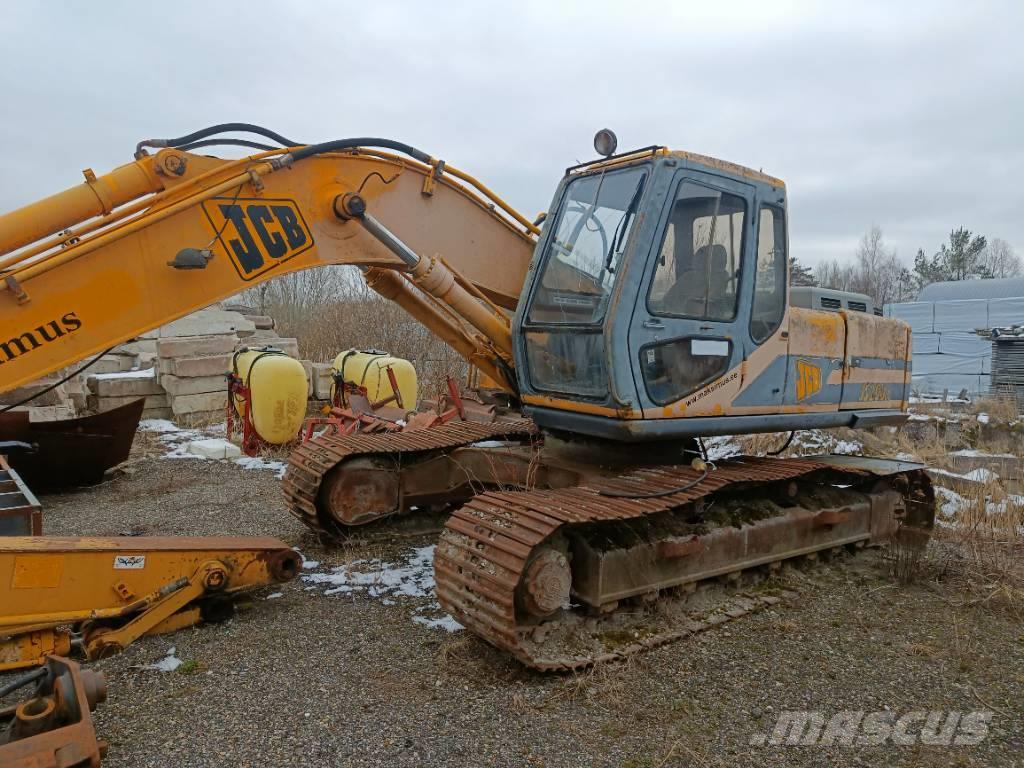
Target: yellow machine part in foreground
[[124, 587], [277, 392]]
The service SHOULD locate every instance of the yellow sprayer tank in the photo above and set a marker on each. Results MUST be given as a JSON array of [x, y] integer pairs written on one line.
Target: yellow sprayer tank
[[369, 368], [278, 387]]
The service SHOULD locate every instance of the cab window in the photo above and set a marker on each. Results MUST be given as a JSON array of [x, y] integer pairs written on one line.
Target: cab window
[[770, 280], [584, 254], [698, 267]]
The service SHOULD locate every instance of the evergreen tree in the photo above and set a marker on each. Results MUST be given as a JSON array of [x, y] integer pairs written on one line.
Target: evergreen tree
[[799, 274], [960, 259]]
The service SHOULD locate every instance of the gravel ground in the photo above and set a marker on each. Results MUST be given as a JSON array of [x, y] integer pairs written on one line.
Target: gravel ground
[[308, 679]]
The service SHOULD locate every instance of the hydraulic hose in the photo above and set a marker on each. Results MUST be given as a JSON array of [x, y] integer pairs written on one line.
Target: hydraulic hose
[[225, 142], [333, 146], [213, 130], [196, 139], [21, 682]]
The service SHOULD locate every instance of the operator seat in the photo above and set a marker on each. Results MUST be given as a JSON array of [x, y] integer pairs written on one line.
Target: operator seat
[[701, 288]]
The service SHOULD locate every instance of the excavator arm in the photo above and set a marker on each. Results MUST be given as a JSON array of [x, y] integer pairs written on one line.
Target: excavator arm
[[175, 231]]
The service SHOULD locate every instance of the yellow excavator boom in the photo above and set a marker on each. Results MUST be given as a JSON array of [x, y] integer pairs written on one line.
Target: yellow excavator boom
[[170, 233]]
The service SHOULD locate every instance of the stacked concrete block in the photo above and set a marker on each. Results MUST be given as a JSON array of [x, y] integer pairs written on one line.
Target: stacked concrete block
[[112, 390], [41, 392], [193, 374], [205, 322], [45, 402], [46, 412], [289, 346], [193, 356], [321, 381]]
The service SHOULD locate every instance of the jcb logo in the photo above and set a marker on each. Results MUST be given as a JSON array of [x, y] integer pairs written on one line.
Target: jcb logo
[[257, 233], [808, 379]]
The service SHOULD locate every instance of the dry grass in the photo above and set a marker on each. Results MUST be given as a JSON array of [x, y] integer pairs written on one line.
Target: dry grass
[[331, 309], [607, 684], [762, 444], [1001, 407], [927, 443], [981, 549], [907, 550]]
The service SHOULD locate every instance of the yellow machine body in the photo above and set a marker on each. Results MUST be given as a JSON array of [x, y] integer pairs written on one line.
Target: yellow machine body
[[369, 369], [125, 587], [277, 387]]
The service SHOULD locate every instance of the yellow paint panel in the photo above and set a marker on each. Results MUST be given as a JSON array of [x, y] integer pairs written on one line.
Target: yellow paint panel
[[808, 379], [37, 572]]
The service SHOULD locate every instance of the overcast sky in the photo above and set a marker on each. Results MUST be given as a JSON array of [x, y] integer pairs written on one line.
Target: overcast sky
[[905, 115]]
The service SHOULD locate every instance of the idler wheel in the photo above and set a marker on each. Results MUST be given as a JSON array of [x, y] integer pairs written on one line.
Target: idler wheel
[[546, 584], [359, 491]]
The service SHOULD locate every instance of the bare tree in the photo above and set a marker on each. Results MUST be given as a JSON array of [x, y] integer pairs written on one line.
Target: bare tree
[[1001, 260], [875, 270], [835, 274], [331, 309]]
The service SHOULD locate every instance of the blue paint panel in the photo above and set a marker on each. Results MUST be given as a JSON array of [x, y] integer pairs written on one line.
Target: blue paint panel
[[786, 371], [806, 382], [824, 393], [764, 389]]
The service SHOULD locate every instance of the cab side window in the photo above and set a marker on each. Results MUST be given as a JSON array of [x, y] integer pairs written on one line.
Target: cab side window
[[770, 280], [697, 273]]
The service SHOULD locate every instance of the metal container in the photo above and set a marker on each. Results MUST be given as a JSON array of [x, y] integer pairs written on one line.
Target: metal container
[[20, 511]]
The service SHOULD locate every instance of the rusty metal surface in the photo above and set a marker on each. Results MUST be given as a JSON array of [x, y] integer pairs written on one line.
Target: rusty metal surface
[[311, 461], [488, 547], [82, 448], [53, 728], [20, 511]]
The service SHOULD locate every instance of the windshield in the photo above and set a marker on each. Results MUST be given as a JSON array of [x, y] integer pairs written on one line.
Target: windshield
[[584, 255]]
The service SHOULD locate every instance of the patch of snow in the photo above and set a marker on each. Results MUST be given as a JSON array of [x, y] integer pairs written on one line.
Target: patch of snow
[[168, 663], [146, 373], [979, 475], [815, 441], [972, 453], [847, 447], [490, 444], [158, 425], [982, 475], [983, 418], [721, 447], [275, 595], [446, 622], [255, 462], [411, 578], [214, 448], [951, 503]]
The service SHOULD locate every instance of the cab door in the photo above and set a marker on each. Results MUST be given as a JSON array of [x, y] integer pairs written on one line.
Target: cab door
[[684, 337]]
